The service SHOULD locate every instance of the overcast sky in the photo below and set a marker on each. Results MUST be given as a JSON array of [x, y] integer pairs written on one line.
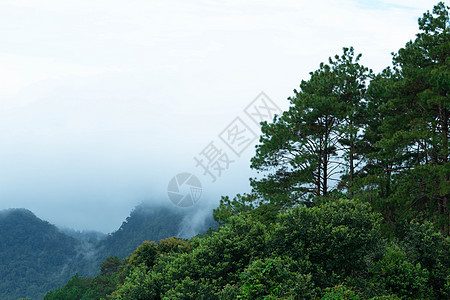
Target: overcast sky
[[103, 102]]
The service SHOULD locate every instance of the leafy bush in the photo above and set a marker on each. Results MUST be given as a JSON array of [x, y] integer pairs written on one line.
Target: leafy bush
[[401, 277], [275, 277], [340, 292], [339, 238]]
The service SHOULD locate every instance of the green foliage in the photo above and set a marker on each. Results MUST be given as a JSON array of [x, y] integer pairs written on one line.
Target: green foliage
[[401, 277], [145, 253], [91, 288], [308, 253], [189, 288], [228, 208], [173, 245], [339, 238], [301, 149], [137, 285], [274, 278], [228, 251], [340, 292], [74, 289], [425, 246], [110, 265], [243, 258], [387, 143], [245, 204], [409, 160]]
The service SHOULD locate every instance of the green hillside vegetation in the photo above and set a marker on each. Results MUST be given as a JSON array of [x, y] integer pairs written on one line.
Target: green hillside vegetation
[[352, 201], [36, 256], [334, 248]]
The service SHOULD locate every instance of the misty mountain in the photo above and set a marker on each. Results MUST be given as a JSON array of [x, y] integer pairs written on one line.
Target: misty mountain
[[36, 256], [88, 236], [148, 222]]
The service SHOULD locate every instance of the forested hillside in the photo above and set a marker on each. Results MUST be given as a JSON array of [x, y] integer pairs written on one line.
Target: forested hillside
[[352, 201], [148, 222], [36, 256]]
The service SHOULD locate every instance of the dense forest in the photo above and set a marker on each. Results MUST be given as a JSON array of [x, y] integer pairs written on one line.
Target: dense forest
[[351, 201], [36, 256]]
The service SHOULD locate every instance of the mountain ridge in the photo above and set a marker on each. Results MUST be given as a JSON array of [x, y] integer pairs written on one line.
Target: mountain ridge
[[37, 256]]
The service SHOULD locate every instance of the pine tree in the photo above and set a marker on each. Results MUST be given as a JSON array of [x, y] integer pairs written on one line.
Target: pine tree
[[310, 145], [414, 129]]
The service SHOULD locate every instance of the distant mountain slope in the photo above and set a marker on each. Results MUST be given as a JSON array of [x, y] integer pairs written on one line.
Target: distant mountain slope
[[148, 222], [34, 255]]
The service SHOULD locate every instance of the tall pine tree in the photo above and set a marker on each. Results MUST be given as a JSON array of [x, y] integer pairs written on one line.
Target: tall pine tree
[[309, 147], [414, 127]]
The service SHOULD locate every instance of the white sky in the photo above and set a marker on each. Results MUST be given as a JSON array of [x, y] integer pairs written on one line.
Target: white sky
[[102, 102]]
